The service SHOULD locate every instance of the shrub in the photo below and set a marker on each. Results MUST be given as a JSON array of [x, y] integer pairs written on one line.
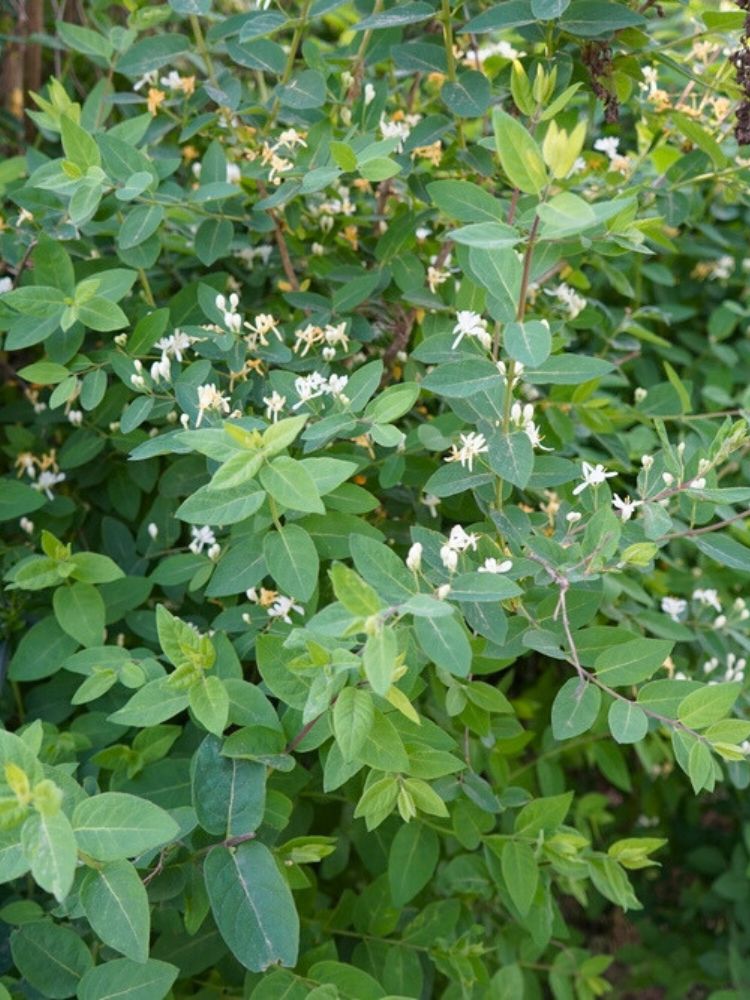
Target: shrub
[[375, 556]]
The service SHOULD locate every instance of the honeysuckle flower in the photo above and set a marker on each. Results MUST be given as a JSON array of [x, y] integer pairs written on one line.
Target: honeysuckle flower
[[369, 94], [209, 398], [608, 145], [593, 475], [291, 138], [523, 417], [148, 79], [175, 345], [573, 516], [153, 531], [282, 608], [234, 174], [75, 417], [504, 369], [264, 324], [698, 484], [472, 444], [471, 324], [442, 591], [431, 503], [675, 607], [720, 621], [161, 369], [626, 506], [202, 537], [309, 336], [573, 302], [449, 557], [214, 551], [414, 557], [708, 597], [462, 540], [274, 405], [667, 478], [26, 525], [308, 387], [46, 481], [395, 130], [6, 284], [336, 335], [647, 461], [640, 394], [493, 566], [154, 99]]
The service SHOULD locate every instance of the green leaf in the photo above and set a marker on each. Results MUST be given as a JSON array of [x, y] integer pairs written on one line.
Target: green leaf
[[353, 716], [412, 860], [631, 662], [291, 485], [520, 874], [228, 794], [139, 224], [529, 342], [708, 704], [511, 456], [467, 202], [84, 40], [499, 271], [568, 369], [305, 90], [17, 499], [80, 612], [124, 979], [152, 53], [594, 18], [355, 291], [382, 569], [80, 148], [209, 703], [486, 235], [116, 905], [575, 708], [724, 550], [445, 643], [221, 506], [468, 96], [292, 560], [700, 766], [252, 906], [50, 848], [565, 215], [405, 13], [628, 723], [51, 958], [213, 240], [155, 702], [379, 659], [357, 596], [115, 825], [520, 157]]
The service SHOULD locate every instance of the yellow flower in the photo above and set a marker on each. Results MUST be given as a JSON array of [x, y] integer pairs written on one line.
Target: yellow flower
[[155, 98]]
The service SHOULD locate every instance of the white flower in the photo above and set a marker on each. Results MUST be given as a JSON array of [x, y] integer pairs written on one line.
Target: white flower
[[449, 557], [121, 339], [471, 324], [336, 336], [264, 324], [667, 478], [209, 398], [336, 385], [472, 444], [698, 484], [414, 557], [674, 607], [175, 345], [369, 95], [431, 502], [723, 268], [75, 417], [234, 174], [184, 420], [720, 621], [573, 302], [308, 387], [203, 537], [149, 79], [523, 417], [26, 525], [442, 592], [640, 394], [6, 285], [161, 369], [46, 480], [607, 145], [593, 475], [627, 507], [436, 277], [461, 540], [573, 516], [274, 405], [395, 130], [153, 531], [493, 566], [282, 607], [708, 598], [647, 461], [214, 551]]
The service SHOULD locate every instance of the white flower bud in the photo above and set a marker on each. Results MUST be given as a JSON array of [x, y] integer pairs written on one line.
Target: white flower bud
[[647, 461], [667, 478], [414, 557], [152, 530]]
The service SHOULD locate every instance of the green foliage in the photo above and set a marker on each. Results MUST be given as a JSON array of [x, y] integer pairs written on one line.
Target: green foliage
[[375, 548]]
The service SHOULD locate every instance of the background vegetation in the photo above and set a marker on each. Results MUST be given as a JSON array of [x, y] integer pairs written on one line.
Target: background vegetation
[[375, 417]]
